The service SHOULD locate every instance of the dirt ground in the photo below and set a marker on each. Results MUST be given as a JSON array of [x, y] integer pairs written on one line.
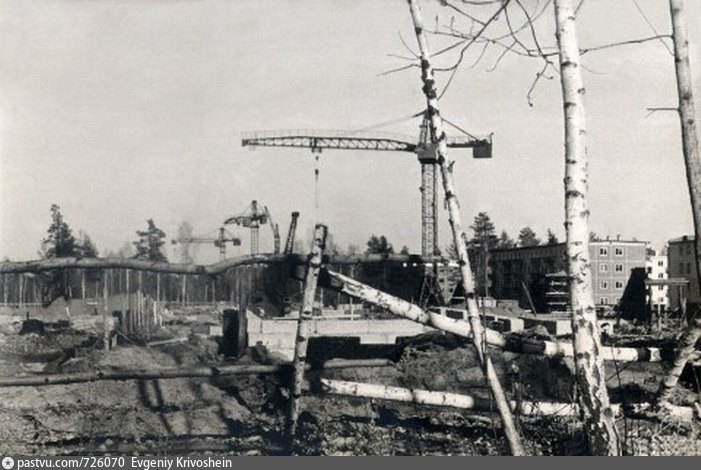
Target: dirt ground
[[244, 415]]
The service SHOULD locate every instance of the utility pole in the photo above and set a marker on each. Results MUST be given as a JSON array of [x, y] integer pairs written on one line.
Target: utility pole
[[439, 143], [591, 377]]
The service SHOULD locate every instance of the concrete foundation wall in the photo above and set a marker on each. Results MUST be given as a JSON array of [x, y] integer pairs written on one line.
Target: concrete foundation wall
[[278, 334]]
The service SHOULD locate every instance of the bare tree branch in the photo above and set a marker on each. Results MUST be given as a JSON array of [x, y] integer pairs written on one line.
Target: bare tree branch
[[654, 110], [626, 43], [652, 27]]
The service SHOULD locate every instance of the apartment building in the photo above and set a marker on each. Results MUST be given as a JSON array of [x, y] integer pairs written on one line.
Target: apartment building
[[617, 266], [656, 268], [682, 265]]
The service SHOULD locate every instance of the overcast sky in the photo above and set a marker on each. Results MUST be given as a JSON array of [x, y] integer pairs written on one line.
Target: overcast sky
[[120, 111]]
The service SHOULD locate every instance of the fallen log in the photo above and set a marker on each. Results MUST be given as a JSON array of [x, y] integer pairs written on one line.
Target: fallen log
[[349, 286], [180, 373], [163, 342], [38, 266], [686, 350], [467, 402]]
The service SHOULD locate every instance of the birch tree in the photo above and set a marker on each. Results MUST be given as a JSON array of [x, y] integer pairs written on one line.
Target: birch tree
[[438, 140], [591, 378], [692, 162]]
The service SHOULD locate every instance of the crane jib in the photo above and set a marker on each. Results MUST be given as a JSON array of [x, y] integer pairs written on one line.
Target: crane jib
[[482, 148]]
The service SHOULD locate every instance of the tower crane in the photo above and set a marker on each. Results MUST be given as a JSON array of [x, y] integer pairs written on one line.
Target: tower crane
[[289, 243], [425, 152], [253, 217], [220, 242], [276, 231]]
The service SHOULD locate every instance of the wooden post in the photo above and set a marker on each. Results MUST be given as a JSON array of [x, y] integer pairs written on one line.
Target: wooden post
[[438, 140], [303, 333], [105, 310], [20, 293], [158, 289], [591, 377]]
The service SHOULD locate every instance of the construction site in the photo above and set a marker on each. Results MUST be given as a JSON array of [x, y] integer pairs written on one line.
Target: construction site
[[282, 343]]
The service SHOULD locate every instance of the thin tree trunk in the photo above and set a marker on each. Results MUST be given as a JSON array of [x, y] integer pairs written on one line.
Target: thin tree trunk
[[438, 139], [687, 116], [589, 365], [181, 372], [685, 349], [303, 329], [692, 161]]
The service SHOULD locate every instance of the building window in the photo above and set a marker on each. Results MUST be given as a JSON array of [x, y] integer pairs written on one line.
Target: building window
[[681, 268], [688, 249], [603, 268], [603, 285], [604, 301], [619, 268], [618, 251], [660, 276], [660, 300], [649, 269], [681, 250], [603, 251], [619, 285], [688, 268], [660, 263]]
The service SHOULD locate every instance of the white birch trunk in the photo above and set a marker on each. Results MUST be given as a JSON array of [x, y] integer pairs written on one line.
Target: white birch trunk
[[438, 139], [591, 378], [303, 329], [402, 308], [467, 402], [685, 350]]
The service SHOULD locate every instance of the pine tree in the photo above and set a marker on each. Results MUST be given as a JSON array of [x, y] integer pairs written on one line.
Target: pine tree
[[484, 231], [149, 244], [552, 238], [505, 241], [86, 247], [379, 245], [60, 242], [527, 237]]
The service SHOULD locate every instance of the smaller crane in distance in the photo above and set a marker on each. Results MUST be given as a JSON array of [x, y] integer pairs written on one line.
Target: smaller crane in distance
[[276, 231], [289, 243], [220, 242], [253, 217]]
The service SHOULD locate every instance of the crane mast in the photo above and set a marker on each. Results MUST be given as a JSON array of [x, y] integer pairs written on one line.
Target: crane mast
[[426, 153], [289, 243], [252, 218], [220, 242]]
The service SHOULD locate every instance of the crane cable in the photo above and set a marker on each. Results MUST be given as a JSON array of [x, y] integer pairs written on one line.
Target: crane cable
[[317, 213], [390, 122]]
